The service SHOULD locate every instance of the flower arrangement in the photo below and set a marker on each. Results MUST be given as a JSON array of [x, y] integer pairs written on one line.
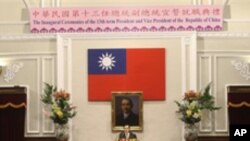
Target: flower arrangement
[[58, 102], [193, 103]]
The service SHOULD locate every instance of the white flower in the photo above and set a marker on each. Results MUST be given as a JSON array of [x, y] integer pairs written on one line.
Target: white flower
[[184, 103], [196, 115]]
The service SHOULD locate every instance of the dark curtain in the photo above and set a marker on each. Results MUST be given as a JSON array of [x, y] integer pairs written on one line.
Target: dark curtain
[[12, 114], [238, 105]]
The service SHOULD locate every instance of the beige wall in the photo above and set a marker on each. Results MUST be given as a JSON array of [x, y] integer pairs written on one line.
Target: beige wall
[[160, 121], [93, 121], [38, 59], [215, 64]]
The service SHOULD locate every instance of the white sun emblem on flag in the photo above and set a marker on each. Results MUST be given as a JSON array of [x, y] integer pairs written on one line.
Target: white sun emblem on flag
[[107, 61]]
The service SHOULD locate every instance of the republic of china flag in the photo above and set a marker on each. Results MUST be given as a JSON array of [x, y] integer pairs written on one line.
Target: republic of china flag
[[136, 69]]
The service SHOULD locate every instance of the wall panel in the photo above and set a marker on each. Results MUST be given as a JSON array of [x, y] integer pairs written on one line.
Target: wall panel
[[38, 66]]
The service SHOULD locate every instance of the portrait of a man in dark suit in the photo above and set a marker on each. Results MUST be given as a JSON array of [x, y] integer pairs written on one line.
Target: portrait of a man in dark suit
[[126, 115], [127, 110]]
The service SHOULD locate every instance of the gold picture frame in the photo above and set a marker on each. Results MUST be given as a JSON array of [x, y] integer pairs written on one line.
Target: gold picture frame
[[129, 105]]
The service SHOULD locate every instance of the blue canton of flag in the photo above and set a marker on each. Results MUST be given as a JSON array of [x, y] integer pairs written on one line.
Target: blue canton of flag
[[106, 61]]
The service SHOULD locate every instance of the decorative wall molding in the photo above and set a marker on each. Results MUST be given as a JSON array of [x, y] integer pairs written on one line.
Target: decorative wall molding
[[27, 53], [11, 71], [225, 2], [200, 2], [28, 131], [237, 20], [193, 63], [184, 72], [66, 42], [211, 2], [21, 23], [52, 60], [42, 4], [200, 57], [131, 35], [17, 37], [243, 67], [58, 3], [215, 55], [27, 4], [224, 34], [39, 58], [215, 90], [246, 52], [70, 79], [60, 62], [187, 41]]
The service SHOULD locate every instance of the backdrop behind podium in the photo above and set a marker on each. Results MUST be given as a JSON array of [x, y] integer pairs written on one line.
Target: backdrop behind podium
[[12, 113], [127, 140], [239, 105]]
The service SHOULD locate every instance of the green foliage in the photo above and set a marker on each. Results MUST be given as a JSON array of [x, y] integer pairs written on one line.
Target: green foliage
[[48, 91], [193, 103], [207, 100], [58, 101]]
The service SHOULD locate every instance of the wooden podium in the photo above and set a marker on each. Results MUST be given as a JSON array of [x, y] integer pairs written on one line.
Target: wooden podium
[[239, 105], [12, 113]]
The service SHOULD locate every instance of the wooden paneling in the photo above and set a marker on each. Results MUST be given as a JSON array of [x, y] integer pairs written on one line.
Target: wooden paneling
[[215, 138], [40, 139]]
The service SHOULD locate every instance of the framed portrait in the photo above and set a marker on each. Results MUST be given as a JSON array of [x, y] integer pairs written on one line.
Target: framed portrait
[[127, 109]]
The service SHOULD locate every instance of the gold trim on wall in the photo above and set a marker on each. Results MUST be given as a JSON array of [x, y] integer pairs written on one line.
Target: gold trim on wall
[[239, 105], [15, 106]]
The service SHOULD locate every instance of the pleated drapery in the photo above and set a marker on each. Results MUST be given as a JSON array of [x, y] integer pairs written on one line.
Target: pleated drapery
[[239, 105], [12, 113]]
